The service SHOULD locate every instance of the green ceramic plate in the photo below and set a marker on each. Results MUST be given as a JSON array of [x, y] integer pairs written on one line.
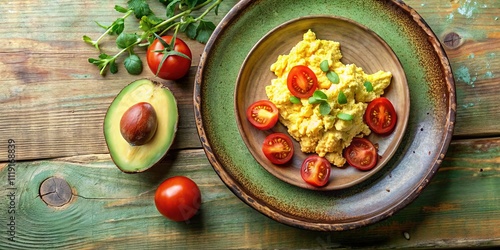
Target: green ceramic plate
[[424, 143]]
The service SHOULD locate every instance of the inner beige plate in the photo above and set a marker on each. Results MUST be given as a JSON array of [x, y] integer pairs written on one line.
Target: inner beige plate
[[360, 46]]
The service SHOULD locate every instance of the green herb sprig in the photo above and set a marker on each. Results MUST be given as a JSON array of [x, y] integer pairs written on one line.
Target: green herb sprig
[[179, 16]]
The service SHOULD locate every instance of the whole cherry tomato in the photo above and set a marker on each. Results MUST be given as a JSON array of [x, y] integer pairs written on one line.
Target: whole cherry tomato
[[178, 198], [177, 59]]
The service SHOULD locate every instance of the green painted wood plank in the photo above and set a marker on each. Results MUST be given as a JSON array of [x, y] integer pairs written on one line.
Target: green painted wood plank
[[113, 210]]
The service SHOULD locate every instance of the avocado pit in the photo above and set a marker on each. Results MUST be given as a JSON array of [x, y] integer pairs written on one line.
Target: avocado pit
[[138, 124]]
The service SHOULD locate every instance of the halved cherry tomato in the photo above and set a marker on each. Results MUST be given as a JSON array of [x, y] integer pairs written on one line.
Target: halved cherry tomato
[[315, 170], [278, 148], [262, 114], [301, 81], [381, 116], [361, 154]]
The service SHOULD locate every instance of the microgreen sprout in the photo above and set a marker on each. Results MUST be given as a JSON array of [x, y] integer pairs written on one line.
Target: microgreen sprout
[[321, 98], [345, 116], [333, 77], [294, 99], [324, 66], [341, 98]]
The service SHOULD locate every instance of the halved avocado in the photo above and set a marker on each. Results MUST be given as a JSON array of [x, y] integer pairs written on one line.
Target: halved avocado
[[134, 159]]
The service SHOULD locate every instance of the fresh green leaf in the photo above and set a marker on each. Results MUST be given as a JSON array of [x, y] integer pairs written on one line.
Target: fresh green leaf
[[148, 23], [190, 30], [324, 108], [341, 98], [324, 66], [125, 40], [318, 94], [115, 28], [141, 8], [104, 56], [204, 30], [102, 26], [93, 61], [133, 64], [189, 23], [313, 100], [88, 40], [345, 116], [368, 86], [333, 77], [113, 68], [121, 9], [118, 26], [294, 99], [171, 7]]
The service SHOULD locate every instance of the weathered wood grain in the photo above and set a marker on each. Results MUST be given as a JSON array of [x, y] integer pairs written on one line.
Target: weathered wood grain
[[113, 210], [53, 105], [53, 101]]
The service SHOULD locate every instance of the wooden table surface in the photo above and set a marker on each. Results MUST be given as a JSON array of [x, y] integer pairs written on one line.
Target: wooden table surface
[[53, 105]]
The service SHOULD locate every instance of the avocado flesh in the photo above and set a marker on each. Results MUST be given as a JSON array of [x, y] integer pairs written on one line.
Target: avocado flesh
[[130, 158]]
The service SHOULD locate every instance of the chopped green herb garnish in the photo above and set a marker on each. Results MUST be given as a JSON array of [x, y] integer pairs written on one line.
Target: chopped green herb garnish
[[321, 98], [324, 108], [345, 117], [318, 94], [341, 98], [324, 66], [313, 100], [368, 86], [294, 99], [333, 77]]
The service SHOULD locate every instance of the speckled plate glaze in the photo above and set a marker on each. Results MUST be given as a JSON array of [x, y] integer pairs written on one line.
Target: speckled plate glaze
[[358, 45], [424, 143]]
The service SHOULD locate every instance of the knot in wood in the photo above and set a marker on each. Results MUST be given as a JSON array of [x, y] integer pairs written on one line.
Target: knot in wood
[[55, 191], [452, 40]]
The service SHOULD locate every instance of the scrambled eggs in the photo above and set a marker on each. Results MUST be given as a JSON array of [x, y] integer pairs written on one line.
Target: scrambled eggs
[[326, 135]]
